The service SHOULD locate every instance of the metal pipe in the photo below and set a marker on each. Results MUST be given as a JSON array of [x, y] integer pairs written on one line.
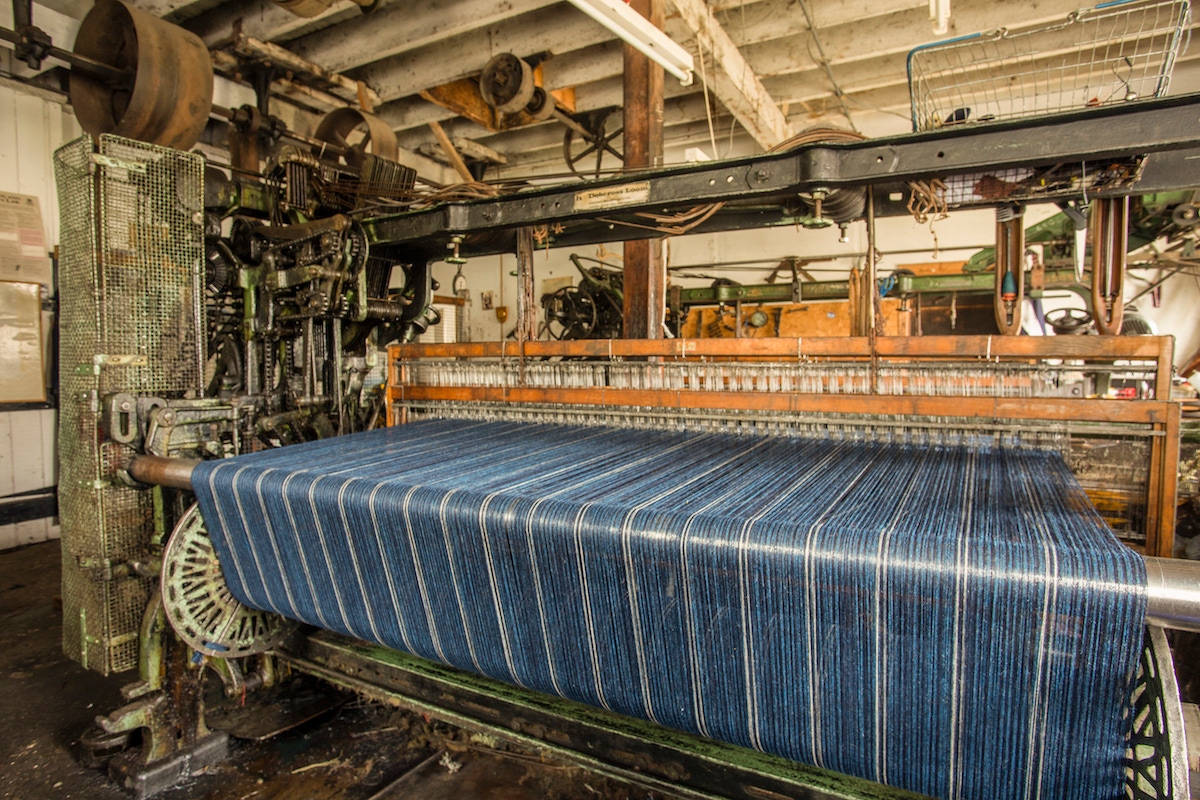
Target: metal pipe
[[161, 471], [230, 114], [1173, 593], [99, 69], [1172, 584], [575, 126]]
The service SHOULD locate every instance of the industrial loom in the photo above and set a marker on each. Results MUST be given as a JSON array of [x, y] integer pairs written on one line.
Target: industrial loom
[[876, 556], [747, 568], [868, 557]]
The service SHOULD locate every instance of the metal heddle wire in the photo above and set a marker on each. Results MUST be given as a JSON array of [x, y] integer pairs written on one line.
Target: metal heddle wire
[[1115, 53]]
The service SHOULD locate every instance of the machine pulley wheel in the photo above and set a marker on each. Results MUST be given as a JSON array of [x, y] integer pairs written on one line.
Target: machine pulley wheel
[[570, 313], [541, 106], [1156, 761], [1068, 321], [168, 95], [837, 205], [600, 151], [198, 603], [357, 133], [1186, 215], [506, 83]]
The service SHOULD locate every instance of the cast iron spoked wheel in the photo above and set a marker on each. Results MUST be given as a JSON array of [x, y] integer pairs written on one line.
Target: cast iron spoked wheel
[[601, 151], [570, 313], [1155, 759], [1066, 321], [199, 605]]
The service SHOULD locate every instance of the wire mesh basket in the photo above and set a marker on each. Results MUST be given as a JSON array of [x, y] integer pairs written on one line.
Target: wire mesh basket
[[131, 277], [1114, 53]]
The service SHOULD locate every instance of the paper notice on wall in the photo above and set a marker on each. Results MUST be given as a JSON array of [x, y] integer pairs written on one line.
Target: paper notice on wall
[[23, 255], [21, 343]]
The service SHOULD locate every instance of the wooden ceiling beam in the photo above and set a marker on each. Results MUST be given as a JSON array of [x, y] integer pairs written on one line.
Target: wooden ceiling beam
[[173, 10], [896, 33], [404, 27], [465, 55], [263, 20]]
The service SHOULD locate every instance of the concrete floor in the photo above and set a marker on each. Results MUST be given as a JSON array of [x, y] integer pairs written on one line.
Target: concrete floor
[[46, 700], [361, 751]]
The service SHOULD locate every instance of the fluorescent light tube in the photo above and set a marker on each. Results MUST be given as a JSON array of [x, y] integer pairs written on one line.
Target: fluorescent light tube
[[635, 30]]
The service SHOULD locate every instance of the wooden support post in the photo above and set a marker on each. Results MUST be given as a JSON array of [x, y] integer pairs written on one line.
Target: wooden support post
[[526, 316], [645, 280], [451, 151], [1163, 489]]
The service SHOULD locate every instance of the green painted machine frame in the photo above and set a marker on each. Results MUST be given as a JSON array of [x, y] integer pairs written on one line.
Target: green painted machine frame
[[655, 758]]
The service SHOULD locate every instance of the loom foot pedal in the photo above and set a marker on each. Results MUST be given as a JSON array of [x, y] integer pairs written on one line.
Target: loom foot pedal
[[149, 780]]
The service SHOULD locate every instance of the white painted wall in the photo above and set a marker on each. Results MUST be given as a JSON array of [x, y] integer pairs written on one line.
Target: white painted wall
[[32, 125]]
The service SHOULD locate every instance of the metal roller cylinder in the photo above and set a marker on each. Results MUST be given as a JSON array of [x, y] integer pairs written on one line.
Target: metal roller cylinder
[[1173, 593], [168, 95], [175, 473]]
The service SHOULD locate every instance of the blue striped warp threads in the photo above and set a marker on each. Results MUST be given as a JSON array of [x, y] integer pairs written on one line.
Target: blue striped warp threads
[[953, 621]]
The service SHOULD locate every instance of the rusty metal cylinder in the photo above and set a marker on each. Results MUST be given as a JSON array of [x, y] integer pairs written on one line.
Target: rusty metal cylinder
[[175, 473], [167, 97], [385, 309]]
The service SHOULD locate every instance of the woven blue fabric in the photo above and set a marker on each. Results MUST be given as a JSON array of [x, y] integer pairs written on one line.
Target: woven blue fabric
[[958, 622]]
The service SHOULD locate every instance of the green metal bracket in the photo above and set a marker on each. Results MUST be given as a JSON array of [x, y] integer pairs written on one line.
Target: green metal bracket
[[160, 517]]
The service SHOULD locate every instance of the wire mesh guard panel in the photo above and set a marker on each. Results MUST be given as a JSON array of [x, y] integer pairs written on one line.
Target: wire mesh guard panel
[[130, 275], [1114, 53]]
